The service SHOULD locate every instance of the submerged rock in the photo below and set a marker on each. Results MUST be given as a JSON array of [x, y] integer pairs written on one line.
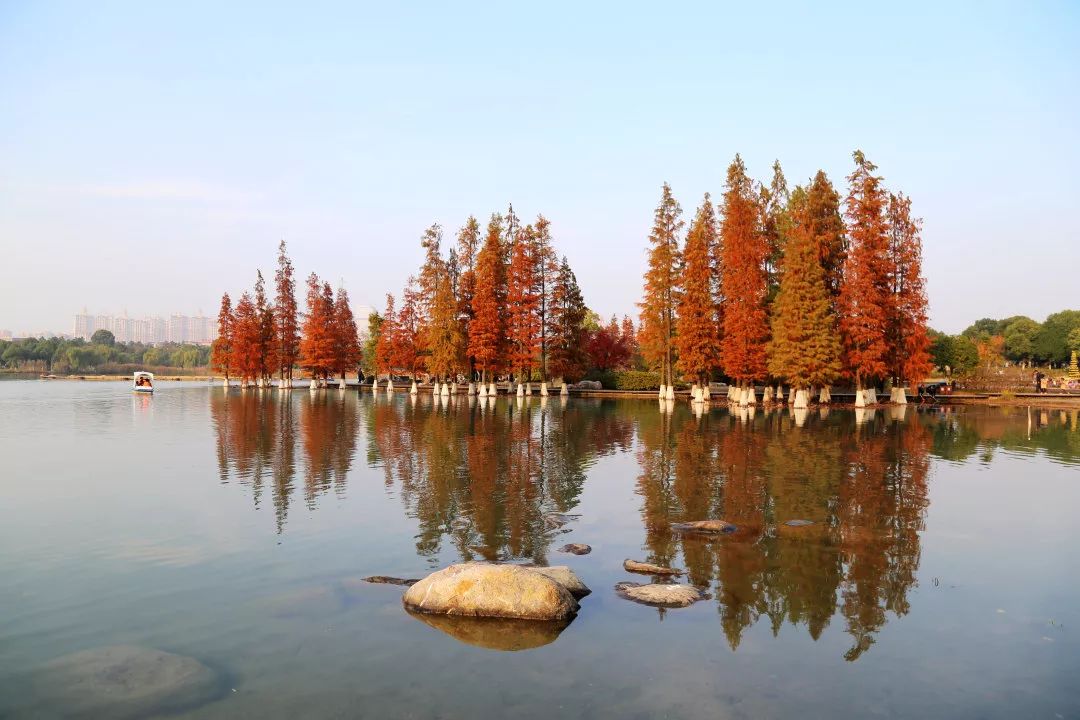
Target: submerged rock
[[799, 523], [387, 580], [496, 633], [636, 566], [486, 590], [666, 595], [576, 549], [123, 681], [709, 527], [555, 520], [565, 577]]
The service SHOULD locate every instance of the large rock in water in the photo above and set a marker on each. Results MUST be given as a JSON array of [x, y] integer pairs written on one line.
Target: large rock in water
[[126, 681], [645, 568], [576, 549], [667, 595], [486, 590]]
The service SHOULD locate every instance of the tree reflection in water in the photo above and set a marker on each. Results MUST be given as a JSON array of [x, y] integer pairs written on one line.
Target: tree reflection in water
[[485, 475], [864, 488]]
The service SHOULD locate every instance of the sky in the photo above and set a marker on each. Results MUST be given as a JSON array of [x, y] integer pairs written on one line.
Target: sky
[[152, 155]]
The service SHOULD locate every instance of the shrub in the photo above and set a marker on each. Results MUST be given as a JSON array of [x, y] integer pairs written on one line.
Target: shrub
[[626, 379]]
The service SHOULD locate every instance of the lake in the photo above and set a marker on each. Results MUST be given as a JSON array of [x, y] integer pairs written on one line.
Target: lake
[[938, 577]]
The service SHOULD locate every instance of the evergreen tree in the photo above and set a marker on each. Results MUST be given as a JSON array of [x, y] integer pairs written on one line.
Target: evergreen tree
[[805, 348], [865, 293], [371, 343], [547, 265], [774, 225], [661, 292], [744, 252], [909, 342], [431, 271], [697, 340], [222, 348], [567, 337], [265, 317], [286, 327], [487, 331]]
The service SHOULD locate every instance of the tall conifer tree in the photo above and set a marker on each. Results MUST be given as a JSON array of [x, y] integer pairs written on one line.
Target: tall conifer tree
[[468, 244], [661, 293], [445, 333], [804, 349], [346, 337], [908, 338], [697, 340], [568, 334], [826, 224], [286, 325], [744, 251], [523, 304], [865, 293], [384, 346], [487, 331], [221, 354]]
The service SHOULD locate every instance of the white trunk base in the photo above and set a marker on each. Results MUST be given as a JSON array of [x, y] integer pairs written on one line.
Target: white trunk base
[[389, 387], [565, 392], [492, 390], [767, 395], [413, 389], [860, 398], [313, 385], [825, 396], [528, 389], [543, 389], [520, 390], [663, 391], [801, 401], [670, 393], [899, 396], [444, 390], [374, 384]]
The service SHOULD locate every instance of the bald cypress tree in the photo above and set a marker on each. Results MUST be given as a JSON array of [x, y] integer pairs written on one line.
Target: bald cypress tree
[[697, 340], [865, 292], [825, 223], [744, 252], [661, 293], [487, 331], [909, 342], [804, 348]]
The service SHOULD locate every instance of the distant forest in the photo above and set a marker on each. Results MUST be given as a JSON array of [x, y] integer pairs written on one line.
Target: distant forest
[[102, 354], [1017, 339]]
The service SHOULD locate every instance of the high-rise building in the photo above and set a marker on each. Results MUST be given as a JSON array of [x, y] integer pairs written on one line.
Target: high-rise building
[[199, 330]]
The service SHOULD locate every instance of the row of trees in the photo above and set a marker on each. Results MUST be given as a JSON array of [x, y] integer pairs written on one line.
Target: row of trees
[[101, 354], [499, 301], [258, 338], [799, 286]]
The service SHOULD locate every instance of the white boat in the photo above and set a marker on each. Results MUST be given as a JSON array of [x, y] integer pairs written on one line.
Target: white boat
[[142, 382]]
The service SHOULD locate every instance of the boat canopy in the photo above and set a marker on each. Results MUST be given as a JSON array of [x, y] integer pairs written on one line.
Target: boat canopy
[[140, 374]]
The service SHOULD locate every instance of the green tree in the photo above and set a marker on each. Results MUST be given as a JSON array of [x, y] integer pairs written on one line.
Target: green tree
[[371, 343], [103, 337], [1020, 337], [1051, 343]]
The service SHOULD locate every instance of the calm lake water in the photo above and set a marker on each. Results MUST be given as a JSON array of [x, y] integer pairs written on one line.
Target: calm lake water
[[939, 577]]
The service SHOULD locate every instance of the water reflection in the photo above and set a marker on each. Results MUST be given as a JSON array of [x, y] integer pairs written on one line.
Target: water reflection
[[862, 487], [485, 476]]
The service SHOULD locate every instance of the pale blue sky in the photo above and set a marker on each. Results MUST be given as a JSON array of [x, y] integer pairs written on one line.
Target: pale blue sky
[[152, 154]]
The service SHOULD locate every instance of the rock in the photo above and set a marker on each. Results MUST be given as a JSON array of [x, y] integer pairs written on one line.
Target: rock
[[386, 580], [645, 568], [667, 595], [576, 549], [711, 527], [496, 633], [799, 523], [126, 681], [555, 520], [565, 577], [486, 590], [589, 385]]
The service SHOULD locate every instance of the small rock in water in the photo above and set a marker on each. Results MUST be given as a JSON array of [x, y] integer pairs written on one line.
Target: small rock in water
[[666, 595], [636, 566], [799, 523], [565, 577], [555, 520], [488, 590], [710, 527], [576, 549], [126, 681], [387, 580]]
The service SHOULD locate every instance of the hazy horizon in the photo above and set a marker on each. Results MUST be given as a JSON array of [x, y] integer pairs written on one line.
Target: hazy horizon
[[152, 158]]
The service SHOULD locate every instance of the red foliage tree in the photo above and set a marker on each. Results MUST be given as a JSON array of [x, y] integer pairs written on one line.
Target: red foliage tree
[[743, 254], [405, 340], [822, 218], [487, 331], [246, 337], [384, 352], [608, 348], [222, 348], [909, 342], [523, 304], [317, 341], [865, 295], [698, 341], [346, 337]]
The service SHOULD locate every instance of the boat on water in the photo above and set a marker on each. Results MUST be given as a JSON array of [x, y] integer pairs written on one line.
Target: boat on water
[[142, 382]]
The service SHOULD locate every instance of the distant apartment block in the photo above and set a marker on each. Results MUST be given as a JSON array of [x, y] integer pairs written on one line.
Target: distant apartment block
[[198, 330]]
